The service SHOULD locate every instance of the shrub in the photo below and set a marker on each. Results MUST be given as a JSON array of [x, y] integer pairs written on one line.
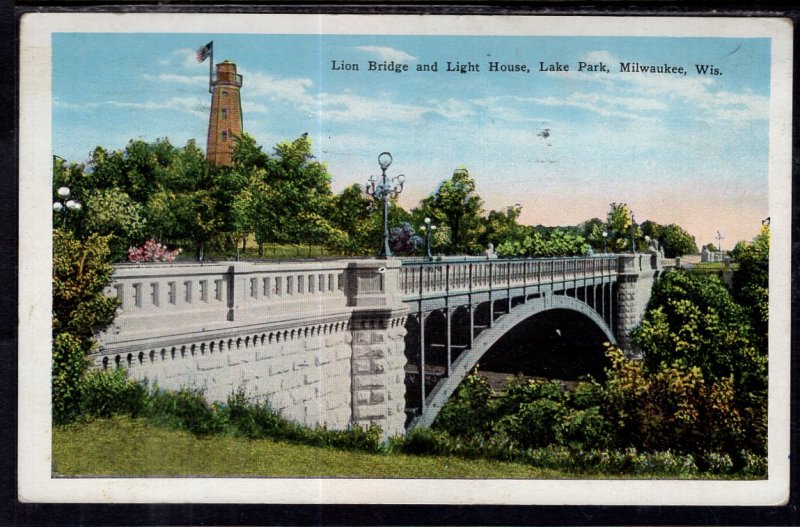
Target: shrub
[[105, 393], [468, 412], [185, 409], [424, 441], [535, 424], [69, 363]]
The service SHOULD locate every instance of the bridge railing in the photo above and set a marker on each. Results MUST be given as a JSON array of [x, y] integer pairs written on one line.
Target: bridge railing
[[419, 278]]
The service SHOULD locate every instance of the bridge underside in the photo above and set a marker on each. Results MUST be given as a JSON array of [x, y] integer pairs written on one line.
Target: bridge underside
[[447, 336]]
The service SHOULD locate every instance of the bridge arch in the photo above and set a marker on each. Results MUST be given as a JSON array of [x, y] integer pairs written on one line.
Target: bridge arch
[[484, 341]]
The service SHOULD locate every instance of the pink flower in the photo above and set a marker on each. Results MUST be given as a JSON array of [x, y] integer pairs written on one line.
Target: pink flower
[[152, 251]]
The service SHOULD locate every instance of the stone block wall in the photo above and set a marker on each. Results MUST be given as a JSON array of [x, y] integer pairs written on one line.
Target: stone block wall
[[636, 275], [321, 342]]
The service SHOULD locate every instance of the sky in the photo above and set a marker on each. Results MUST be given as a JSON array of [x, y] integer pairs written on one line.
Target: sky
[[688, 149]]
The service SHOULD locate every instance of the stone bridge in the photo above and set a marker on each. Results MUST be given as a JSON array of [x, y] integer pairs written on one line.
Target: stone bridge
[[338, 342]]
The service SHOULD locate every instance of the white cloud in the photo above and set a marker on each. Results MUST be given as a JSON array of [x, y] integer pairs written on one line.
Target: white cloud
[[387, 54], [291, 90], [191, 105], [178, 79], [658, 92]]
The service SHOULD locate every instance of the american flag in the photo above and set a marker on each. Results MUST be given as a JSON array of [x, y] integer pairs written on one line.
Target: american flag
[[204, 51]]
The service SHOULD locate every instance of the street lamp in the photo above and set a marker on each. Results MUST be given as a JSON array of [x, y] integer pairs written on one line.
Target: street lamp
[[428, 228], [720, 237], [633, 233], [63, 206], [605, 236], [383, 190]]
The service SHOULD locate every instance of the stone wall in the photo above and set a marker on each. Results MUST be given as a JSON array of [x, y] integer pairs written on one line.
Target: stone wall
[[306, 337], [636, 275]]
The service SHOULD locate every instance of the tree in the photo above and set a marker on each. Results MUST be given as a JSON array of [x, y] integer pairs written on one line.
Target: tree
[[751, 282], [618, 225], [672, 238], [592, 231], [502, 226], [692, 321], [403, 239], [112, 212], [354, 213], [81, 270], [457, 205]]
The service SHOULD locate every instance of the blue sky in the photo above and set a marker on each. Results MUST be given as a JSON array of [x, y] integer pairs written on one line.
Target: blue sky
[[689, 149]]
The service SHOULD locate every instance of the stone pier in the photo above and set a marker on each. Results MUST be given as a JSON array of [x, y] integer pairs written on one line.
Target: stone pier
[[636, 274]]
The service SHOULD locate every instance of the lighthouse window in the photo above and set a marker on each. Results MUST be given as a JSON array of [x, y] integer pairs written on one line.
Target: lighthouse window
[[224, 113], [224, 135], [224, 92]]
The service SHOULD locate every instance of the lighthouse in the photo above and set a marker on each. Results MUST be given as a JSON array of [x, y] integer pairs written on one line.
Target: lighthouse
[[225, 118]]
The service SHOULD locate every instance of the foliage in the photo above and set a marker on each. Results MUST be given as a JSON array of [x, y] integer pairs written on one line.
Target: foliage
[[751, 282], [81, 271], [676, 241], [468, 412], [693, 320], [354, 213], [558, 242], [107, 393], [113, 212], [152, 251], [403, 239], [502, 226], [456, 204], [618, 225]]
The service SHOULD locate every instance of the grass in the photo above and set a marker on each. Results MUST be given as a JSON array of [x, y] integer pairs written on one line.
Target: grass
[[126, 447], [122, 446], [713, 266]]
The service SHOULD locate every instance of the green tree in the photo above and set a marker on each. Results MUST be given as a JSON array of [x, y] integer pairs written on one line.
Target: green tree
[[618, 225], [592, 231], [751, 282], [354, 213], [502, 226], [673, 239], [457, 205], [692, 321], [81, 270], [112, 212]]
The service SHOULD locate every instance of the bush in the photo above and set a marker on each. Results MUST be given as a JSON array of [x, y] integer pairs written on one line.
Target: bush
[[186, 409], [69, 363], [469, 412], [425, 441], [105, 393]]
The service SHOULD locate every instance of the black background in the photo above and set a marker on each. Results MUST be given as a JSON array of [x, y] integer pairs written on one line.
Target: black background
[[12, 512]]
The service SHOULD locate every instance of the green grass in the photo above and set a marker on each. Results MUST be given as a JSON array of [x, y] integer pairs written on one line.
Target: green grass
[[121, 446], [713, 266]]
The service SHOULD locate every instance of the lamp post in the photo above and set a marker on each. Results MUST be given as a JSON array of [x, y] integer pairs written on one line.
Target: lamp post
[[428, 228], [633, 233], [605, 237], [382, 189], [63, 206]]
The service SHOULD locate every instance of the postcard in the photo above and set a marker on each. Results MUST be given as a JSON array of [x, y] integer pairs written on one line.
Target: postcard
[[404, 259]]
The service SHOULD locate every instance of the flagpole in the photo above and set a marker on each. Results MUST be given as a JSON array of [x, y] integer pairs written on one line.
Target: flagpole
[[211, 67]]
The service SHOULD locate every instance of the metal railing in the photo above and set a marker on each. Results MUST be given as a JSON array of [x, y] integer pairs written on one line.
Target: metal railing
[[227, 78], [437, 278]]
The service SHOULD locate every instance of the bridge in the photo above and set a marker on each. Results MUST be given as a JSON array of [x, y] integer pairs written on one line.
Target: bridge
[[352, 342]]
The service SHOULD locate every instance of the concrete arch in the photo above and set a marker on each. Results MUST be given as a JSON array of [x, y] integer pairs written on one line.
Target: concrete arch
[[488, 337]]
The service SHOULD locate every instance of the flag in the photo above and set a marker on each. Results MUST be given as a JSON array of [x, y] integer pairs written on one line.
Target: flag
[[204, 51]]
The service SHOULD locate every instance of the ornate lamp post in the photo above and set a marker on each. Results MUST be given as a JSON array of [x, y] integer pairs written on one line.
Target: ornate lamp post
[[605, 237], [382, 189], [720, 237], [633, 233], [428, 228], [62, 206]]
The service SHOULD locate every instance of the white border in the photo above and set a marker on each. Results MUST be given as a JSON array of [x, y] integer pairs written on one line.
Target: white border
[[35, 483]]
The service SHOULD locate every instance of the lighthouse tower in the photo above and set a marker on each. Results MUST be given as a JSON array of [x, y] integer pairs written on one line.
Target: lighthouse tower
[[225, 119]]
